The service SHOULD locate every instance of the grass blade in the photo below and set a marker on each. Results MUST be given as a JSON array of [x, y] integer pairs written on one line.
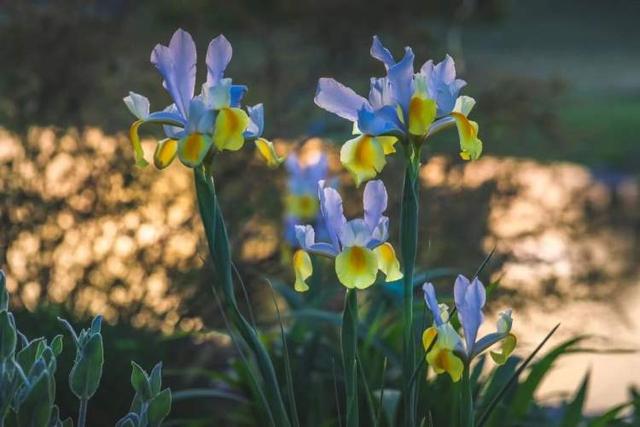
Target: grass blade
[[485, 415], [573, 413], [349, 340]]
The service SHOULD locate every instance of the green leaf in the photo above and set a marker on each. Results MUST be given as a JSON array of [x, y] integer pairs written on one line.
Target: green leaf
[[140, 382], [56, 345], [4, 295], [84, 378], [8, 336], [349, 339], [129, 420], [155, 379], [159, 407], [28, 355], [525, 393], [35, 408], [609, 417], [573, 411]]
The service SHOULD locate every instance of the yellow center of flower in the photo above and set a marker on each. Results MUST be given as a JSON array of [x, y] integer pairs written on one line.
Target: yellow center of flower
[[193, 147]]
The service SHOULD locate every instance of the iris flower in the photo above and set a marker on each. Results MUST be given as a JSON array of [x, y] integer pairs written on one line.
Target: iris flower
[[359, 246], [196, 126], [449, 352], [403, 105], [302, 189]]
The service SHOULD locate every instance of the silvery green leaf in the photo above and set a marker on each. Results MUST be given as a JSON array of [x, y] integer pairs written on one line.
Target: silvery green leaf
[[155, 379], [57, 344], [129, 420], [159, 408], [7, 335], [140, 382], [35, 407], [4, 295], [86, 373]]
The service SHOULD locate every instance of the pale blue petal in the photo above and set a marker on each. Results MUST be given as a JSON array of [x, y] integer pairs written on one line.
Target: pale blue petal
[[470, 299], [401, 80], [355, 233], [381, 53], [177, 65], [380, 92], [332, 212], [138, 105], [306, 236], [384, 121], [380, 233], [375, 202], [432, 302], [256, 122], [442, 84], [219, 55], [339, 99], [174, 132]]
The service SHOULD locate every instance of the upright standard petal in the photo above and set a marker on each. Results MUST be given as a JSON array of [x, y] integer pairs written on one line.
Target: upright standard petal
[[381, 53], [357, 267], [442, 84], [219, 55], [332, 212], [338, 99], [470, 299], [401, 80], [177, 65], [363, 156], [375, 202], [388, 262], [303, 269], [432, 302]]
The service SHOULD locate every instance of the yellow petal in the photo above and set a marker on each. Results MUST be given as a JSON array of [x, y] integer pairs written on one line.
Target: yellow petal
[[428, 336], [508, 344], [137, 147], [268, 153], [363, 156], [388, 262], [422, 112], [166, 151], [470, 144], [303, 269], [229, 128], [192, 149], [443, 360], [388, 143], [357, 267], [304, 206]]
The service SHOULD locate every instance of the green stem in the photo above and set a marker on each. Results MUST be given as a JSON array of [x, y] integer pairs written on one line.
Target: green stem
[[349, 337], [466, 400], [409, 248], [220, 251], [82, 412]]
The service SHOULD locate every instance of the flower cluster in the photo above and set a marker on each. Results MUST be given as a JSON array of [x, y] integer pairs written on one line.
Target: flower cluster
[[359, 246], [447, 351], [402, 106], [197, 126], [301, 201]]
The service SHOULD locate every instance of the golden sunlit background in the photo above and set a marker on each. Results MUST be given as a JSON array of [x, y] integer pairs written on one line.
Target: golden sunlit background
[[556, 193]]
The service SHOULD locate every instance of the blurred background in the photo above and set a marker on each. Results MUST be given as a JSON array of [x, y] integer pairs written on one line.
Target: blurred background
[[557, 192]]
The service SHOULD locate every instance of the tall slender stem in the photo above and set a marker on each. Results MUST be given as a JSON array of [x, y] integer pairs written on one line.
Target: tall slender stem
[[409, 247], [349, 338], [82, 412], [466, 400], [220, 251]]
